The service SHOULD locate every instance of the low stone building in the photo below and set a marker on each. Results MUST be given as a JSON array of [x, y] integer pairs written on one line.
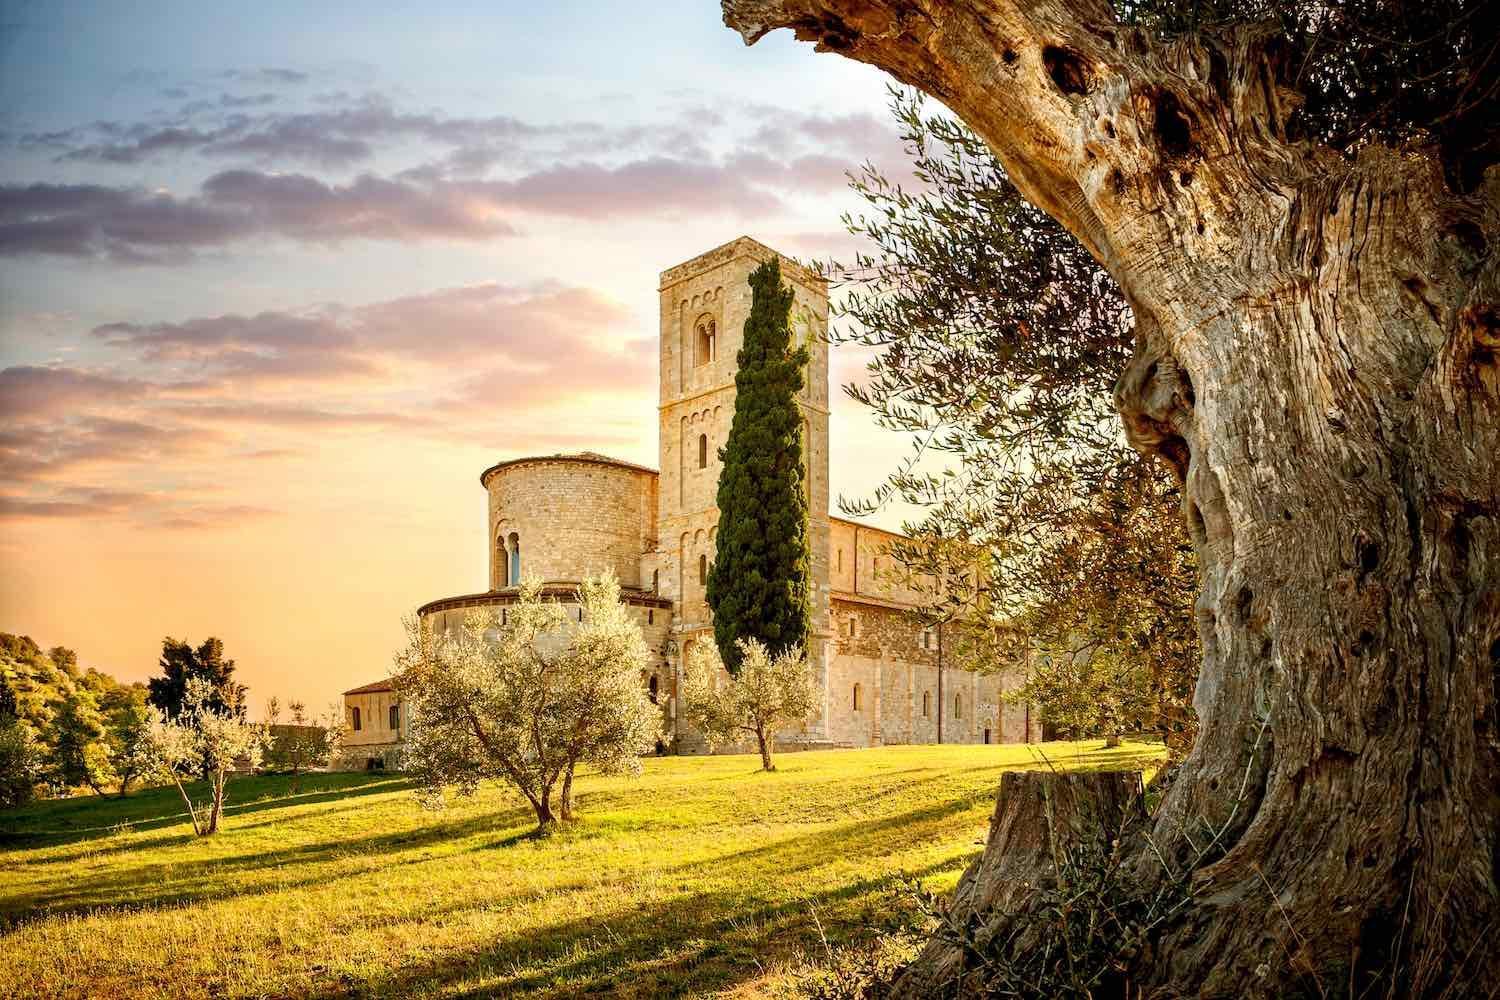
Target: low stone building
[[374, 728], [561, 518]]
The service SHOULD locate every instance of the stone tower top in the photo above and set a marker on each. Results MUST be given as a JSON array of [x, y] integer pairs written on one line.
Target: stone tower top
[[744, 246]]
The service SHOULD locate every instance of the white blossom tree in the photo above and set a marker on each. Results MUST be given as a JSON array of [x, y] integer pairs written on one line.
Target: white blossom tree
[[202, 738], [769, 693], [528, 701]]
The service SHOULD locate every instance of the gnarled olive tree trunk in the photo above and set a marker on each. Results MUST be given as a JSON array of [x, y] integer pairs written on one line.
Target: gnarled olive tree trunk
[[1317, 357]]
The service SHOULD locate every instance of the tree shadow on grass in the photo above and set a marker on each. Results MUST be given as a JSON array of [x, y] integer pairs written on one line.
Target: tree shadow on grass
[[688, 944], [86, 818], [175, 882]]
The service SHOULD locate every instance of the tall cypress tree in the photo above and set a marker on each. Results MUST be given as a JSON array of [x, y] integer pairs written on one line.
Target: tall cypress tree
[[761, 578]]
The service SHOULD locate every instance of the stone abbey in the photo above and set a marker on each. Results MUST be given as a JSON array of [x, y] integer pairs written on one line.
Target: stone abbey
[[563, 517]]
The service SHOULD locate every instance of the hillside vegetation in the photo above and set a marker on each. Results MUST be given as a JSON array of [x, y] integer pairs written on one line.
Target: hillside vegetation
[[702, 877]]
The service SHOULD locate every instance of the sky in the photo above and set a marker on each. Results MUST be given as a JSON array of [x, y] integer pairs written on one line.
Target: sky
[[278, 280]]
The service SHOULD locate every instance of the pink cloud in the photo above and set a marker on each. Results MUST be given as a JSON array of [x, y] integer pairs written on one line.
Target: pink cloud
[[485, 361]]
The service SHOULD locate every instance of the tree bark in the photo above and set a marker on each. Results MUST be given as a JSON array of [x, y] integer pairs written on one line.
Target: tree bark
[[567, 793], [543, 807], [765, 749], [1316, 358], [217, 811], [1038, 816]]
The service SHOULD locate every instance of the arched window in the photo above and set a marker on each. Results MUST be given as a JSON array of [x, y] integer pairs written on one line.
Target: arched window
[[515, 559], [502, 555], [958, 706], [655, 580], [702, 451], [652, 688], [354, 719], [707, 346], [926, 704], [856, 697], [395, 717], [703, 571]]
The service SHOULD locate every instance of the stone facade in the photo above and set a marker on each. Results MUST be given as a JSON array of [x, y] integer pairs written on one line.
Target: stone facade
[[370, 740], [564, 517]]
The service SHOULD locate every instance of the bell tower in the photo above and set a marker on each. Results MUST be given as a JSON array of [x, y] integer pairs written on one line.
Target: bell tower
[[704, 304]]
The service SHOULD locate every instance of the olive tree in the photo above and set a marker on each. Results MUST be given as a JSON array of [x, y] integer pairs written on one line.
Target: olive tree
[[529, 699], [1300, 204], [998, 340], [767, 694], [202, 738]]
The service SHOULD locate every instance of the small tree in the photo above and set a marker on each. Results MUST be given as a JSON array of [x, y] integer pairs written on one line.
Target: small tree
[[529, 701], [127, 720], [78, 751], [202, 736], [20, 761], [769, 693], [759, 584]]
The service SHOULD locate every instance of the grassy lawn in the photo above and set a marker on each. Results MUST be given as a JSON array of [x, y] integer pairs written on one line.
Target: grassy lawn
[[703, 877]]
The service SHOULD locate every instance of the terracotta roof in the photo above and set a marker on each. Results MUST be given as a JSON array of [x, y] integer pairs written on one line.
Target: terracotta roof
[[868, 527], [372, 688], [591, 457]]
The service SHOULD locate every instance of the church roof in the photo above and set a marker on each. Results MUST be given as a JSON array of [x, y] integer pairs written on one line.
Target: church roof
[[577, 456], [372, 687]]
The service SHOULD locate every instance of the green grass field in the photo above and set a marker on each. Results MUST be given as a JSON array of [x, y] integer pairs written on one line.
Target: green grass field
[[702, 877]]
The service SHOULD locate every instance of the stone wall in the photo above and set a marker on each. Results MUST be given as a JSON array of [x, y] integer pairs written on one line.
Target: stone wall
[[906, 694], [573, 515], [861, 564]]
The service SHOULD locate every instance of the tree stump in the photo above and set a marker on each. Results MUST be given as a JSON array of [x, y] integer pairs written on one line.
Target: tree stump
[[1038, 816]]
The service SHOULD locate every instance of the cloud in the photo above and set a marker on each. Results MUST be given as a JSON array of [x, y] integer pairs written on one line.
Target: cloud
[[184, 399], [34, 391], [642, 187], [339, 136], [522, 327], [268, 74], [164, 510], [45, 450], [135, 226]]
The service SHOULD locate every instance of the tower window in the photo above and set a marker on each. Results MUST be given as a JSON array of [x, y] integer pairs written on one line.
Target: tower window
[[702, 451], [354, 719], [653, 687], [926, 704], [707, 342], [958, 706], [655, 580], [703, 571], [515, 559], [395, 717], [858, 701]]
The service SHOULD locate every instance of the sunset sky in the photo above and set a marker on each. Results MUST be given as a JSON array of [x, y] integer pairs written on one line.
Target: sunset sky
[[277, 280]]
